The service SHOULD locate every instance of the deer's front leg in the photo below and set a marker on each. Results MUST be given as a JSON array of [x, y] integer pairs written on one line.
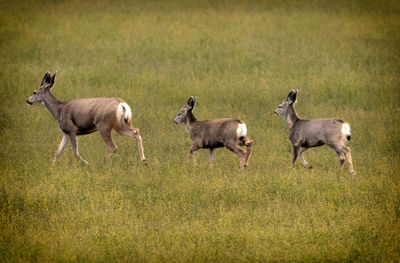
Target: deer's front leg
[[301, 151], [74, 142], [194, 148], [296, 149], [61, 147], [212, 156]]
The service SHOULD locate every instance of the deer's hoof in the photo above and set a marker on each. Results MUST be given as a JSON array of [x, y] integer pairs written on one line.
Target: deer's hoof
[[144, 161]]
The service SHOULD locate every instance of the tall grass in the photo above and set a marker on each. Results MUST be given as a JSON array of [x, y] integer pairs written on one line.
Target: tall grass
[[240, 58]]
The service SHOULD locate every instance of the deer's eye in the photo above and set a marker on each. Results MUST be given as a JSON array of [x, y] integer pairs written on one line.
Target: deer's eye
[[34, 93]]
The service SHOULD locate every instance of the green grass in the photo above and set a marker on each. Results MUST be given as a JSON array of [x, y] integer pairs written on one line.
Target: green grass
[[241, 59]]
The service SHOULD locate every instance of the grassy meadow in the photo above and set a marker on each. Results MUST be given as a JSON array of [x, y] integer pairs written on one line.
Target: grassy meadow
[[241, 59]]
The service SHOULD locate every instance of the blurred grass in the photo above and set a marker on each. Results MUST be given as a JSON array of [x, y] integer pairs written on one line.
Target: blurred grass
[[241, 58]]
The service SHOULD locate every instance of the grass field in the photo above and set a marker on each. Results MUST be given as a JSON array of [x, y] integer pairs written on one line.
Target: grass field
[[241, 59]]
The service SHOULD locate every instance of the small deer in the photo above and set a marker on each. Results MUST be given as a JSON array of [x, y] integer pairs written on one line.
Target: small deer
[[212, 134], [304, 134], [84, 116]]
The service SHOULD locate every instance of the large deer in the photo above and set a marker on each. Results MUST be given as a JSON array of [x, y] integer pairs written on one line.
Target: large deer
[[84, 116], [212, 134], [304, 134]]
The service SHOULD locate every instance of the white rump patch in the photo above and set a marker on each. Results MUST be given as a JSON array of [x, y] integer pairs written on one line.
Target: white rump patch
[[346, 129], [241, 130], [124, 112]]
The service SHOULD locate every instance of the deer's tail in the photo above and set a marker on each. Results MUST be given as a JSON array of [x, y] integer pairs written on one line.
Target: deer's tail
[[346, 131], [124, 113]]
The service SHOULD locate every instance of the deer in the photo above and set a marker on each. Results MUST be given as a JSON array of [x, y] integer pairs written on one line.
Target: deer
[[305, 134], [216, 133], [83, 116]]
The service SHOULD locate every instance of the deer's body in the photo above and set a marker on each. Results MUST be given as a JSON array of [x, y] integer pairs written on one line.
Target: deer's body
[[305, 134], [215, 133], [73, 115], [314, 133], [212, 134], [84, 116]]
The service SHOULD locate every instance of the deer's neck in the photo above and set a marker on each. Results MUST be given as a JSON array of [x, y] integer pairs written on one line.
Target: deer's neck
[[291, 117], [189, 121], [52, 104]]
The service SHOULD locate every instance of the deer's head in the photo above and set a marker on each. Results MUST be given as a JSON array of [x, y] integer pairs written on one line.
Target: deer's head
[[188, 107], [290, 100], [46, 85]]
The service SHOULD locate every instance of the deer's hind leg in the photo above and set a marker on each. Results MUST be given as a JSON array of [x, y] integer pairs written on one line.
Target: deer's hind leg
[[106, 135], [344, 152], [349, 160], [249, 145], [239, 151], [341, 157], [134, 133]]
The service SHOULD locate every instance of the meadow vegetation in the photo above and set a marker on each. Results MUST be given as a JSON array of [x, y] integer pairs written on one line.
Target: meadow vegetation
[[241, 59]]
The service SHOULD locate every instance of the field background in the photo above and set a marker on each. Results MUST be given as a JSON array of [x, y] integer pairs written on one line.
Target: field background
[[241, 59]]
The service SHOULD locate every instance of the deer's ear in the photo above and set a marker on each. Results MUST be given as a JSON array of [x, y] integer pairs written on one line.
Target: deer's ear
[[53, 80], [46, 79], [292, 97], [190, 103]]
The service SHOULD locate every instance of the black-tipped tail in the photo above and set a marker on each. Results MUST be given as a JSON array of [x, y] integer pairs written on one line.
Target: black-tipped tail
[[124, 115]]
